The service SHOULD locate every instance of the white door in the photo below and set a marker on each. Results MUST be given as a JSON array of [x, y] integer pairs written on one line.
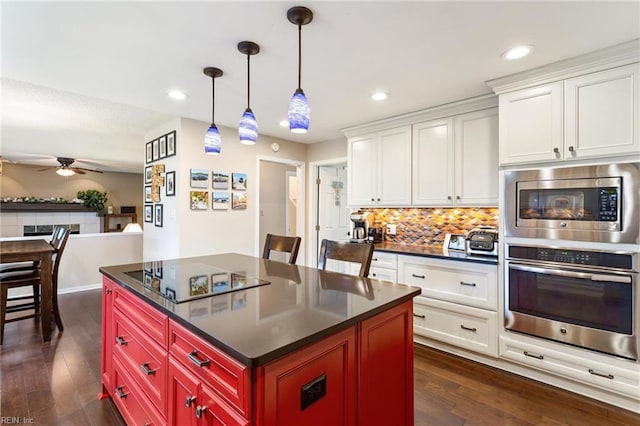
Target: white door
[[333, 213]]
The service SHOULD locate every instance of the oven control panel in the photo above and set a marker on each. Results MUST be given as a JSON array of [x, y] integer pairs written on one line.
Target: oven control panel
[[576, 257]]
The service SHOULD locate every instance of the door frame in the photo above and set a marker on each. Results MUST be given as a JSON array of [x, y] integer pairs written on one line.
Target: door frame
[[300, 174], [313, 205]]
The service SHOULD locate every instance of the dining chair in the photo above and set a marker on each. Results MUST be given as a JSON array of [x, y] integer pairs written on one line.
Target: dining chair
[[346, 252], [23, 277], [283, 244]]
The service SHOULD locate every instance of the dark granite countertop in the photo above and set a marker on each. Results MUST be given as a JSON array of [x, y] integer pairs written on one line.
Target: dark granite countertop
[[256, 325], [434, 251]]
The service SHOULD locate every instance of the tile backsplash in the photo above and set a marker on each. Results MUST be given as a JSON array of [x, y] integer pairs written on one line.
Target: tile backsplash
[[428, 226]]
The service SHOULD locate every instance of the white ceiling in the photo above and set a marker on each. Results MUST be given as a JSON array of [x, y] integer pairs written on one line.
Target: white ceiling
[[88, 79]]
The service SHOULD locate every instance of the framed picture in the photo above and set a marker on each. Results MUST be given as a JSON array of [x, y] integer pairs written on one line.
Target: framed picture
[[148, 267], [219, 282], [155, 284], [170, 188], [239, 201], [171, 293], [158, 269], [220, 200], [198, 285], [171, 144], [149, 155], [239, 181], [199, 200], [157, 215], [148, 172], [238, 300], [163, 147], [238, 281], [199, 178], [220, 180], [148, 213], [147, 279], [156, 150], [148, 198]]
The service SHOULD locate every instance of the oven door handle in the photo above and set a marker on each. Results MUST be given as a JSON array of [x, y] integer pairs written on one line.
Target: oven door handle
[[571, 274]]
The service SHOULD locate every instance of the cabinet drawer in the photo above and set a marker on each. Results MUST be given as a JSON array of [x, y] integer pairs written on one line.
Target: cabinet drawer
[[226, 376], [383, 274], [153, 322], [382, 259], [144, 359], [613, 375], [468, 284], [469, 328], [130, 399]]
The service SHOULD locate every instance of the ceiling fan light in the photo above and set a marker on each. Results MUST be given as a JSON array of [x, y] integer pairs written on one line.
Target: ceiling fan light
[[299, 112], [212, 141], [248, 128], [65, 171]]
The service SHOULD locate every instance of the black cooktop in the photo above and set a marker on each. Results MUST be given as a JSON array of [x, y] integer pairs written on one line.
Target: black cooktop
[[185, 282]]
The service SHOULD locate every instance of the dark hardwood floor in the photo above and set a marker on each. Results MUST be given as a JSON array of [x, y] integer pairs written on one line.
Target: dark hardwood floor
[[58, 383]]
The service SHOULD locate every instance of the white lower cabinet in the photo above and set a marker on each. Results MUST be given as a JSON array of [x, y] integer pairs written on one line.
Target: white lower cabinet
[[605, 372], [469, 328], [384, 266], [458, 303]]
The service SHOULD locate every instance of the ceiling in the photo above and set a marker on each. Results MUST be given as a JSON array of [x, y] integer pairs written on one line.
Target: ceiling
[[88, 79]]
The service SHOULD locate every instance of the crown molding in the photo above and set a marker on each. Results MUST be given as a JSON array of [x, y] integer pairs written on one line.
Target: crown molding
[[610, 57], [446, 110]]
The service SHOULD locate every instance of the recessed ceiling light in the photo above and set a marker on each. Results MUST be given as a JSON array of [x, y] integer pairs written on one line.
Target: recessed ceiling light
[[177, 95], [284, 123], [517, 52], [379, 96]]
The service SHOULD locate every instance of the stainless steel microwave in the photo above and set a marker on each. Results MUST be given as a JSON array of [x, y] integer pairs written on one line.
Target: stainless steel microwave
[[585, 203]]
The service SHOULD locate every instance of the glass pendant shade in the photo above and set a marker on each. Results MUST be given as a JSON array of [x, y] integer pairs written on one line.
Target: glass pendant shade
[[65, 171], [248, 128], [299, 113], [212, 141]]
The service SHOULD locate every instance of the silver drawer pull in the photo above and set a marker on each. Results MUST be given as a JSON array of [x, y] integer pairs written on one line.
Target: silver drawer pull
[[120, 341], [146, 370], [532, 355], [193, 357], [375, 259], [468, 284], [468, 328], [419, 316], [189, 400], [120, 393], [200, 410], [418, 276], [595, 373]]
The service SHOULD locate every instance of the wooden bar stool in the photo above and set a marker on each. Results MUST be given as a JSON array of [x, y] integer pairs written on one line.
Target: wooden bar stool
[[346, 252], [282, 244]]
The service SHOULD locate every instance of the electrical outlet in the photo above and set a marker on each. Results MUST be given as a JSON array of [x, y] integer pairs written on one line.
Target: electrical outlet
[[391, 229]]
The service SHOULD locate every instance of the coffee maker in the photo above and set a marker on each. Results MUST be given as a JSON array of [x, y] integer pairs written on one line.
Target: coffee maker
[[362, 221]]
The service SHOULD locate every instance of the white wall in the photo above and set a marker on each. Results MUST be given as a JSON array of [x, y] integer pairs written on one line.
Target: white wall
[[273, 200]]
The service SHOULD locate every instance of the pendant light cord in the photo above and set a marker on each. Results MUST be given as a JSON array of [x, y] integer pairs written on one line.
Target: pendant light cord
[[213, 99], [299, 55], [248, 82]]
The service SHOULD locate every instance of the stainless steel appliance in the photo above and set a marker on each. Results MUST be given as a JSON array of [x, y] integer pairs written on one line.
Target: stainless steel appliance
[[587, 203], [482, 241], [583, 298], [362, 220]]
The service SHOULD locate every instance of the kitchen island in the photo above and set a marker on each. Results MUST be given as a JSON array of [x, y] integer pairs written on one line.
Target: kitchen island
[[235, 339]]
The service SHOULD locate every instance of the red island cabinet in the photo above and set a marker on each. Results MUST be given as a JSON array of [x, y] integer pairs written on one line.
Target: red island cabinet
[[158, 372]]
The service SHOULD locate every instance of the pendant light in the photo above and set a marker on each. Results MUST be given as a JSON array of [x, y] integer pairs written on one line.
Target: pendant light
[[248, 127], [212, 140], [299, 107]]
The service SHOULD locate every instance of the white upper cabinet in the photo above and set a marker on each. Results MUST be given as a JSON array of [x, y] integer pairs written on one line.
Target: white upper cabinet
[[602, 113], [531, 126], [380, 168], [455, 160]]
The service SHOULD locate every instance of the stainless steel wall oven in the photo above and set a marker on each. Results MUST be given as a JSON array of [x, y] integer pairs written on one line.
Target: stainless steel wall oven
[[587, 203], [583, 298]]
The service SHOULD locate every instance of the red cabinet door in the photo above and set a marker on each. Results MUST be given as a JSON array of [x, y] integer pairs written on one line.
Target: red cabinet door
[[212, 410], [183, 395], [385, 374], [108, 337]]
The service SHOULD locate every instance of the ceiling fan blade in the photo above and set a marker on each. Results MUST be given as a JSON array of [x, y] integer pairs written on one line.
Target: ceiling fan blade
[[78, 170], [86, 170]]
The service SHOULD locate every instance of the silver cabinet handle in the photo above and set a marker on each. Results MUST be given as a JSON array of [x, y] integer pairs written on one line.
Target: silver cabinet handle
[[467, 284], [556, 150], [120, 341], [448, 197], [532, 355], [605, 375], [419, 316], [457, 197], [189, 400], [146, 370], [468, 328], [571, 149], [200, 410], [418, 276], [120, 393], [193, 357]]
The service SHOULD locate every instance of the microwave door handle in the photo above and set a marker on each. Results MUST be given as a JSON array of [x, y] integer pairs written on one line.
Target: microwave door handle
[[571, 274]]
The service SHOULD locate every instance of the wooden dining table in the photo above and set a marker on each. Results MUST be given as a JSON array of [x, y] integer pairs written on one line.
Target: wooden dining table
[[38, 251]]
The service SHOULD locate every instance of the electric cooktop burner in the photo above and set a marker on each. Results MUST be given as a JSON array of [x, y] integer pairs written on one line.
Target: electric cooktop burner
[[185, 282]]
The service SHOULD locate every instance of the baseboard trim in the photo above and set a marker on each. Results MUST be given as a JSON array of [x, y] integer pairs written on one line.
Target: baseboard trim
[[80, 288]]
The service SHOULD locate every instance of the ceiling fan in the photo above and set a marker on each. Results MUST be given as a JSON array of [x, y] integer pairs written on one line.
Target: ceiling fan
[[65, 169]]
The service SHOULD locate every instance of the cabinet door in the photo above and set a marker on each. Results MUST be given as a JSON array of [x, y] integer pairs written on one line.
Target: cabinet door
[[363, 160], [476, 152], [394, 162], [108, 336], [383, 274], [183, 395], [213, 411], [602, 113], [433, 163], [531, 125]]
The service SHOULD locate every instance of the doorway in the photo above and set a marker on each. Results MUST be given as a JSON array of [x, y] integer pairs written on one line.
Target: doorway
[[329, 213]]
